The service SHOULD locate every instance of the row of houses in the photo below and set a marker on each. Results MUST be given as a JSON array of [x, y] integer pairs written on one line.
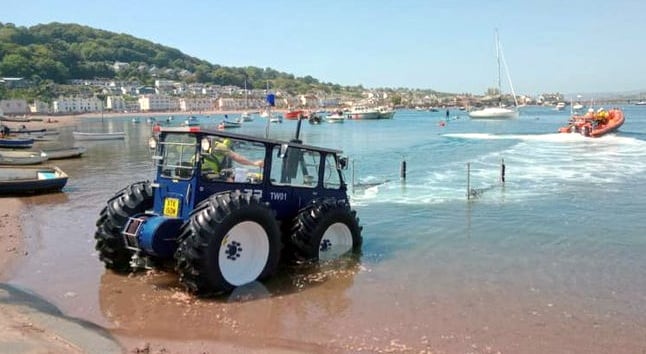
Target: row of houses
[[153, 103]]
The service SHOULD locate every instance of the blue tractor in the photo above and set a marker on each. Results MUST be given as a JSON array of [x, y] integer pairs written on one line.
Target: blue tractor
[[225, 209]]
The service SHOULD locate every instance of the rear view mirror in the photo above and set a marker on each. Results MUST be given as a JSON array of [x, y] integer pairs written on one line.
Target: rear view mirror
[[283, 151], [343, 162]]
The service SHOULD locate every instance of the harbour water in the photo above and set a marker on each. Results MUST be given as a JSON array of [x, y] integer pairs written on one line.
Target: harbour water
[[552, 260]]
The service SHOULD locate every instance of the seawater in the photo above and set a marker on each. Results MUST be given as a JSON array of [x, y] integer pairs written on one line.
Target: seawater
[[555, 252]]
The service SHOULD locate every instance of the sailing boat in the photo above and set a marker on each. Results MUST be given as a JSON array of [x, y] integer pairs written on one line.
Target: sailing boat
[[499, 112]]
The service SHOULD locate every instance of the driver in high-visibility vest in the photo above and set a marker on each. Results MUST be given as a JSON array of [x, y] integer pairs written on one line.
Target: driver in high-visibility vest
[[221, 156]]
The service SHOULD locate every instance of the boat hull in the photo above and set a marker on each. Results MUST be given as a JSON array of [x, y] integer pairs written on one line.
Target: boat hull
[[364, 115], [16, 143], [335, 118], [228, 125], [295, 115], [65, 153], [22, 157], [99, 136], [31, 179], [494, 113], [386, 114]]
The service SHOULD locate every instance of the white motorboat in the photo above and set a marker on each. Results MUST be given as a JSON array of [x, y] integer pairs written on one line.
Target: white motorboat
[[336, 117], [386, 112], [363, 112]]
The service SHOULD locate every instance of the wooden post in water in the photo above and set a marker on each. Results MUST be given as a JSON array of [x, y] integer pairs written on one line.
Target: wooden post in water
[[502, 171], [402, 170], [468, 180]]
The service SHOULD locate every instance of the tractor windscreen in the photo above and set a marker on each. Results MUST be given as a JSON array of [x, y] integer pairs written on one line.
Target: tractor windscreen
[[178, 155]]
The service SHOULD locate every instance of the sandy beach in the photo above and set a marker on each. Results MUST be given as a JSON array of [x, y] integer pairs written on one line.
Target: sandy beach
[[11, 238]]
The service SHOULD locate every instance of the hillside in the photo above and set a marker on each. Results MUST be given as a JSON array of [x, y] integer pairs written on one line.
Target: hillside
[[60, 52]]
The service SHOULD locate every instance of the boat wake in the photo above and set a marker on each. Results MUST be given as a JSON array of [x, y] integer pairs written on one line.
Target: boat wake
[[536, 166]]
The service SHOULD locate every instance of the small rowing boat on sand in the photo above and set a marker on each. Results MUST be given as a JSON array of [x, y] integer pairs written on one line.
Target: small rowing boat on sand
[[22, 157], [99, 136], [13, 142], [31, 179], [65, 152]]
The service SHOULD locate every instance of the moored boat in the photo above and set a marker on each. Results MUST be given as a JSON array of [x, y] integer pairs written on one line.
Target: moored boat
[[362, 112], [494, 113], [228, 124], [595, 124], [31, 179], [99, 136], [65, 152], [296, 114], [386, 112], [336, 117], [499, 111], [14, 142], [21, 157]]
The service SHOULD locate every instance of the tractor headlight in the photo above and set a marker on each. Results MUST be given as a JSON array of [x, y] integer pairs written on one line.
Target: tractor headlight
[[205, 144], [152, 143]]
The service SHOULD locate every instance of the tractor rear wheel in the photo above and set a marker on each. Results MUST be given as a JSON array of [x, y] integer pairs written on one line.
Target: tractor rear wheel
[[326, 230], [230, 239], [132, 200]]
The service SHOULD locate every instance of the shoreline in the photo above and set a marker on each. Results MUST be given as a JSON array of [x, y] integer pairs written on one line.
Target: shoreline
[[44, 121], [12, 242]]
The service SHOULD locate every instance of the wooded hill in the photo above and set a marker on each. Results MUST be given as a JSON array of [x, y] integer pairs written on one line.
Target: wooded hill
[[58, 52]]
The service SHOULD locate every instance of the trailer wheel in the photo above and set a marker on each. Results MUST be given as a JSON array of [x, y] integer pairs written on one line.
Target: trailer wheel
[[326, 230], [134, 199], [231, 239]]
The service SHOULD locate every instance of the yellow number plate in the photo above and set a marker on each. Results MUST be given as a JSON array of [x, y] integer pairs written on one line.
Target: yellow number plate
[[171, 207]]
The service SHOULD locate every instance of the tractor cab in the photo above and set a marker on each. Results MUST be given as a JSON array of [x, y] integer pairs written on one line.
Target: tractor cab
[[193, 164]]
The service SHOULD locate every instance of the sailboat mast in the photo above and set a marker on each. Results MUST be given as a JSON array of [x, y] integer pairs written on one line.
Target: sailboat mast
[[498, 61]]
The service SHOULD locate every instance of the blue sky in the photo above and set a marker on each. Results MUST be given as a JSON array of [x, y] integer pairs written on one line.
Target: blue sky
[[571, 47]]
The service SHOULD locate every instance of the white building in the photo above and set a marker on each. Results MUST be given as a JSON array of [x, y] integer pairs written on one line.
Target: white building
[[196, 104], [11, 107], [165, 85], [115, 103], [158, 103], [40, 107], [228, 104], [77, 105]]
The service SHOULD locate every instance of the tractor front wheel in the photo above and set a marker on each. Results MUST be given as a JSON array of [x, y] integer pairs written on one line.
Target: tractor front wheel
[[132, 200], [231, 239]]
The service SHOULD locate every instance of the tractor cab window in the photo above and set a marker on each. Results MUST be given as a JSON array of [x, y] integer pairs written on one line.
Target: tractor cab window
[[331, 178], [232, 160], [295, 167], [178, 155]]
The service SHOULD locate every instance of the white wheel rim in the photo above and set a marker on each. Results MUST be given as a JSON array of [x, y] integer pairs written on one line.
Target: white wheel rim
[[243, 253], [336, 241]]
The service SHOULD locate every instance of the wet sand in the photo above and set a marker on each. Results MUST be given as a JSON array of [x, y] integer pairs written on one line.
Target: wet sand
[[11, 238], [26, 329]]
